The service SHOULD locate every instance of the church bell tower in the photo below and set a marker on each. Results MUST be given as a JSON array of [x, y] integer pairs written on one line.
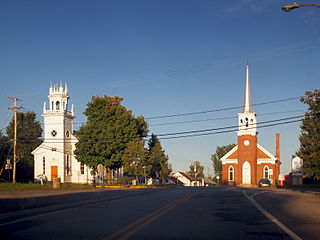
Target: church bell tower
[[58, 130], [247, 138]]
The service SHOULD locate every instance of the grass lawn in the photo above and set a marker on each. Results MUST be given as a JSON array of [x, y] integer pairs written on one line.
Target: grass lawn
[[5, 186]]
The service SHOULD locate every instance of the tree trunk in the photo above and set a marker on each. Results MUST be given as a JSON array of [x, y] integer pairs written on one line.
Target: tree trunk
[[137, 180]]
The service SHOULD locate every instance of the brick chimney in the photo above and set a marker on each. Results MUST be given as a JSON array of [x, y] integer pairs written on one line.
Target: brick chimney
[[277, 167], [277, 146]]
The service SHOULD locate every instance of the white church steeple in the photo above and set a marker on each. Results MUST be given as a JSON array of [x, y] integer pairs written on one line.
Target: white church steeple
[[58, 119], [58, 99], [247, 99], [247, 118]]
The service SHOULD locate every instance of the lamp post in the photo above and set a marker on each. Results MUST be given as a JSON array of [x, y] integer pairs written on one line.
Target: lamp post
[[289, 7]]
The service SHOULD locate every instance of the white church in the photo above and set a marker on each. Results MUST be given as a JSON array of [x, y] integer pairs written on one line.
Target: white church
[[54, 157]]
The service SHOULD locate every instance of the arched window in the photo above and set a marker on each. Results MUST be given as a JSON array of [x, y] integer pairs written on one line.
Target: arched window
[[231, 174], [51, 105], [44, 165], [68, 165], [247, 122], [57, 105], [266, 172]]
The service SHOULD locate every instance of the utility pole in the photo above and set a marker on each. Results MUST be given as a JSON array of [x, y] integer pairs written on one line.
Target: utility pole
[[195, 172], [15, 135]]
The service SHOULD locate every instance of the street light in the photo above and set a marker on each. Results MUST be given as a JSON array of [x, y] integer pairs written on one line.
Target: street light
[[288, 8]]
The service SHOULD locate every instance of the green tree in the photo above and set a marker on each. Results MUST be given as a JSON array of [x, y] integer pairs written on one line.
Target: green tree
[[29, 132], [158, 159], [309, 150], [4, 154], [135, 159], [196, 170], [220, 152], [107, 132]]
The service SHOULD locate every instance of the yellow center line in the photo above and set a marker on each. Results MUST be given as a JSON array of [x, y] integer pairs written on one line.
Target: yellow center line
[[148, 218]]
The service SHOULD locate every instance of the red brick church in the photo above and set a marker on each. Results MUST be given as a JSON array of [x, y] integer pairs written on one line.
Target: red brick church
[[248, 162]]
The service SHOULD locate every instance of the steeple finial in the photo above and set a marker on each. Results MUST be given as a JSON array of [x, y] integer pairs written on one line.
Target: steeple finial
[[50, 89], [247, 99], [65, 88]]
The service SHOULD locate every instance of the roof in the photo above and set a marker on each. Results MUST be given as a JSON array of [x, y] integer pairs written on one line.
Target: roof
[[262, 153], [186, 176]]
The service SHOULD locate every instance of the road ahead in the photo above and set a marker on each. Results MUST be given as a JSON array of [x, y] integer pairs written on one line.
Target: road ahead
[[177, 213]]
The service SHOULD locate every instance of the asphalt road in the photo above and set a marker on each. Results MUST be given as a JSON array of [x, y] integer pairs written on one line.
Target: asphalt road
[[177, 213]]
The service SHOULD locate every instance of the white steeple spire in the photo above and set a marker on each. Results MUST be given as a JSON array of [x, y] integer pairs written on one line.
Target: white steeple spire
[[247, 99], [247, 118], [65, 88]]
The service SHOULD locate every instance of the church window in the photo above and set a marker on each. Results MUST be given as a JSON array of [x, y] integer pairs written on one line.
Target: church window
[[231, 174], [247, 122], [251, 120], [57, 105], [51, 105], [241, 121], [82, 168], [44, 165], [68, 165], [266, 172]]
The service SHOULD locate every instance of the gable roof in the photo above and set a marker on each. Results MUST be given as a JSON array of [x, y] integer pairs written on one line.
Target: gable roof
[[38, 149], [232, 154], [262, 153], [186, 176]]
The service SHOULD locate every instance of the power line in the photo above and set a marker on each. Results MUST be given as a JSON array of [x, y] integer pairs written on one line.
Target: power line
[[219, 118], [287, 49], [183, 136], [221, 128], [221, 109], [226, 131], [189, 133]]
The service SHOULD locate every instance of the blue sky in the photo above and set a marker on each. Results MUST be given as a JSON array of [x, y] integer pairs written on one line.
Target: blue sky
[[165, 57]]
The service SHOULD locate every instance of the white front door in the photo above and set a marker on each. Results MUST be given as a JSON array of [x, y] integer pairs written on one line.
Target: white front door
[[246, 173]]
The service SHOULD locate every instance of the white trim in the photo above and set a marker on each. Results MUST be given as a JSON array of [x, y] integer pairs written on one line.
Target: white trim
[[229, 161], [265, 160], [266, 152], [224, 158]]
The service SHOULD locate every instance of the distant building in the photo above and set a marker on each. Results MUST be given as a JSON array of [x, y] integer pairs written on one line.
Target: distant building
[[248, 162], [296, 171], [187, 180], [54, 157]]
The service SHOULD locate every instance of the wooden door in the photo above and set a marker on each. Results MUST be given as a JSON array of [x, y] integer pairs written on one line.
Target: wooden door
[[54, 172]]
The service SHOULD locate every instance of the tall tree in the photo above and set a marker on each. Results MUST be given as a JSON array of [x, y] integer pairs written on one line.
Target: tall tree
[[158, 159], [196, 170], [135, 159], [4, 154], [107, 132], [309, 150], [220, 152], [29, 132]]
